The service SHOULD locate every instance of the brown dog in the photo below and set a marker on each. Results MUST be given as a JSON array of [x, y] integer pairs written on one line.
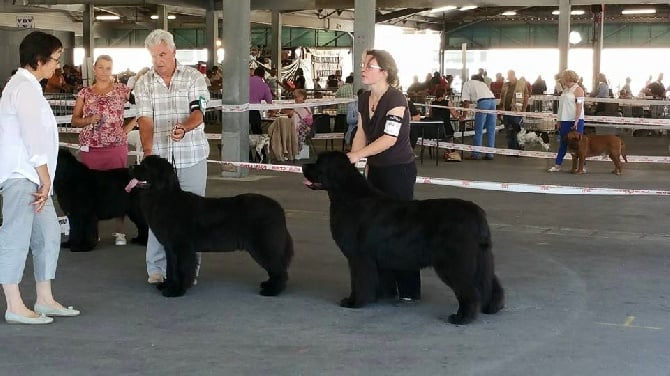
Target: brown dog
[[582, 147]]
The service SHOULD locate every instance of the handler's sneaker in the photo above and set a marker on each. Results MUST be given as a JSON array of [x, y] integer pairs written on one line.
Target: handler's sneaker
[[120, 239], [554, 169], [155, 278]]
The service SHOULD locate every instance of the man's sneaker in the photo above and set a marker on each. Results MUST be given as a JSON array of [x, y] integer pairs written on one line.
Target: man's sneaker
[[155, 278], [554, 169], [120, 239]]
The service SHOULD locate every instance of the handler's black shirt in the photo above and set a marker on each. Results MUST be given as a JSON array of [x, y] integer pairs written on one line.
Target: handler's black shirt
[[401, 152]]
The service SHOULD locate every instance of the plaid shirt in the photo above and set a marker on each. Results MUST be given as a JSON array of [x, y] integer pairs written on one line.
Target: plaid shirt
[[346, 91], [169, 106]]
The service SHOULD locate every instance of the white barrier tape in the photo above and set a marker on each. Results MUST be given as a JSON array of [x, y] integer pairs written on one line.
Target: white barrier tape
[[619, 121], [545, 189], [260, 166], [276, 105], [538, 154], [217, 105], [624, 102], [484, 185]]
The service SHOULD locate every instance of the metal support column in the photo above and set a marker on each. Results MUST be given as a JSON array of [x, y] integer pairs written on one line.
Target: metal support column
[[162, 17], [275, 45], [364, 34], [235, 125], [598, 24], [211, 35], [89, 16], [563, 34]]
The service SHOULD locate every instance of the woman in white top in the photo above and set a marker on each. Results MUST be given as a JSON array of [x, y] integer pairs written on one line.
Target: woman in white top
[[570, 112], [28, 152]]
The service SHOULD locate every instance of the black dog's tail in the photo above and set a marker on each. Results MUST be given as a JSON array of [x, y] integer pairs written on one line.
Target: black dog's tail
[[288, 250], [492, 294]]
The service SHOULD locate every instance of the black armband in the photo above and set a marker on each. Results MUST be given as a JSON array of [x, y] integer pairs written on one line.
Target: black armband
[[392, 125], [198, 104]]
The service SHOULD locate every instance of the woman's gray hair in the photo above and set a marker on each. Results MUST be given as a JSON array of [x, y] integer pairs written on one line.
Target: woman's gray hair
[[157, 36]]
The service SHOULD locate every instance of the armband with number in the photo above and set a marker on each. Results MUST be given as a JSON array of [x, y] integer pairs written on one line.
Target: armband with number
[[579, 100], [392, 125]]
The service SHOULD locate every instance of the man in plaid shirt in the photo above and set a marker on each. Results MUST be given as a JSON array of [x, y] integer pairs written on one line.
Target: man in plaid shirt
[[171, 99]]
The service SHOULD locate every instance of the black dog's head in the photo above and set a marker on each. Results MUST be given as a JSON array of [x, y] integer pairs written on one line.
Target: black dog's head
[[68, 168], [155, 173], [332, 171]]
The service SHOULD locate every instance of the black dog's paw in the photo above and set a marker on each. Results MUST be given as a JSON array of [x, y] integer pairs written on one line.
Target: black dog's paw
[[172, 291], [272, 287], [81, 249], [139, 240], [457, 319], [350, 302]]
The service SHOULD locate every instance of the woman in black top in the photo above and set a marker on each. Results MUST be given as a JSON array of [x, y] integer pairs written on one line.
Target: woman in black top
[[385, 121]]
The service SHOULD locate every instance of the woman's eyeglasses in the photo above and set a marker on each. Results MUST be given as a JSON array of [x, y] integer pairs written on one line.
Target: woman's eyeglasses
[[370, 66], [57, 61]]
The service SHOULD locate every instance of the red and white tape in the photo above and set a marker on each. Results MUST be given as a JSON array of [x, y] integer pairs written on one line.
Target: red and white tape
[[484, 185]]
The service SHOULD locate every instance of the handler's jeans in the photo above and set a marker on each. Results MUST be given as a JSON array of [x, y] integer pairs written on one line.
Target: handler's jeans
[[565, 127], [22, 229], [483, 120], [191, 179]]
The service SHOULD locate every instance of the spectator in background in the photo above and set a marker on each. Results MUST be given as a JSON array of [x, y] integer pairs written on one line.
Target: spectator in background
[[345, 91], [484, 75], [273, 83], [103, 142], [602, 90], [258, 91], [656, 88], [301, 117], [352, 117], [539, 87], [514, 97], [299, 79], [496, 86], [476, 91], [626, 92], [55, 83]]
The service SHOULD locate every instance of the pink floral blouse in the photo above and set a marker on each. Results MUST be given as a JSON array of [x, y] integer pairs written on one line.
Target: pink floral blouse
[[109, 130]]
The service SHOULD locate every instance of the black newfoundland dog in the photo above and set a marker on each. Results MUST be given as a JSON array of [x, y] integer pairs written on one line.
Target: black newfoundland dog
[[87, 196], [374, 231], [185, 223]]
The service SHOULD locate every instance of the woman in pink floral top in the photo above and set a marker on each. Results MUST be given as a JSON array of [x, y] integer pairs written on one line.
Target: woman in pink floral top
[[103, 142]]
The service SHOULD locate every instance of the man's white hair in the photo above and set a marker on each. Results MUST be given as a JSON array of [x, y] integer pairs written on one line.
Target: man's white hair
[[157, 36]]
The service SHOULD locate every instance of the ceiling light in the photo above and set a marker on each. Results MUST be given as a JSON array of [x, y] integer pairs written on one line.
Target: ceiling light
[[172, 17], [468, 7], [508, 13], [639, 11], [577, 12], [109, 17], [154, 17], [443, 9]]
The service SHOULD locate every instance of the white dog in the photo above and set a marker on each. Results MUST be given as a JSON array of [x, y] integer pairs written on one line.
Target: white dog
[[258, 143], [526, 138]]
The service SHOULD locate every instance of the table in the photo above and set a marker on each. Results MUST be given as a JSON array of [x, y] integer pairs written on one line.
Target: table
[[435, 129]]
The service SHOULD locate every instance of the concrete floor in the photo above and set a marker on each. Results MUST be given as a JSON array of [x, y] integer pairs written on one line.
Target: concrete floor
[[586, 280]]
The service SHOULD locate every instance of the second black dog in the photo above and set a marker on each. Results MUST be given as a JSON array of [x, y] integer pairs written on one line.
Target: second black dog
[[373, 231], [185, 223], [87, 196]]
